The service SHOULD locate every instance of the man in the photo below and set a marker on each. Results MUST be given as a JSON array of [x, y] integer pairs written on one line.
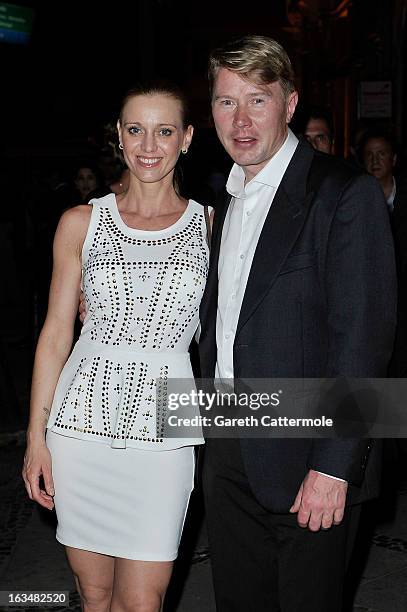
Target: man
[[301, 284], [319, 130], [378, 155]]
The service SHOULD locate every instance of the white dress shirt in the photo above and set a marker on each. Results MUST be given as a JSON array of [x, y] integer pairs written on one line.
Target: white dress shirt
[[241, 231], [390, 199], [244, 221]]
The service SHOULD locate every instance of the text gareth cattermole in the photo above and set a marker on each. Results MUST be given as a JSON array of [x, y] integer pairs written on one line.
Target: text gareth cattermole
[[207, 400], [249, 421]]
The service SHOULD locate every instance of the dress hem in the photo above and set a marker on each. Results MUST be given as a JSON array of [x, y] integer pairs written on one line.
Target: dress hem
[[120, 555], [147, 446]]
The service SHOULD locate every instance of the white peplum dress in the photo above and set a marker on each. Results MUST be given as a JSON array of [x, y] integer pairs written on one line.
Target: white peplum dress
[[121, 487]]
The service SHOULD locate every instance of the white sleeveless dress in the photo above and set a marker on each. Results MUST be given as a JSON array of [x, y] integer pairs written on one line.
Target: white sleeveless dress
[[121, 487]]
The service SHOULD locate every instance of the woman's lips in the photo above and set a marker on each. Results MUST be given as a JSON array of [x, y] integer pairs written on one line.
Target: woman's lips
[[148, 162]]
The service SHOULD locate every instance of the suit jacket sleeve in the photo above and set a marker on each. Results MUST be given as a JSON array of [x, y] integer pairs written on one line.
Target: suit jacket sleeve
[[360, 285]]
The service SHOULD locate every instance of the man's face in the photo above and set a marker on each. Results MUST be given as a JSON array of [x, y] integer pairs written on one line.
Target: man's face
[[378, 158], [318, 135], [250, 119]]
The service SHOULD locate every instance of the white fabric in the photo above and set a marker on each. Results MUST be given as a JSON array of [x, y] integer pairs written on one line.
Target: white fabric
[[142, 291], [241, 231], [392, 196], [126, 503]]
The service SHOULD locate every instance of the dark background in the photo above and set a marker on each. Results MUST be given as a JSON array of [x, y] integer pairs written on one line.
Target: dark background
[[61, 89], [83, 55]]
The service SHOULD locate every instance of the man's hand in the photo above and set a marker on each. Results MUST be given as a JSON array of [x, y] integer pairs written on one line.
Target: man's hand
[[320, 502], [82, 307]]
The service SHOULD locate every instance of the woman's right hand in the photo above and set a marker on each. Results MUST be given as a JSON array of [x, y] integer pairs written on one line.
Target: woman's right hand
[[37, 463]]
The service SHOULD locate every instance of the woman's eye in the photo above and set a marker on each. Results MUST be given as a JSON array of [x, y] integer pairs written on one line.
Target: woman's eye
[[134, 130], [165, 132], [258, 100]]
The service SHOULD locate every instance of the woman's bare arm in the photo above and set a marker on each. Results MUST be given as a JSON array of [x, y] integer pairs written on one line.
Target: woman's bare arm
[[54, 346]]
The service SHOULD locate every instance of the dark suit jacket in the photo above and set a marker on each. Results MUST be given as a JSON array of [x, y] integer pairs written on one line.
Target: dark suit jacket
[[320, 302], [398, 219]]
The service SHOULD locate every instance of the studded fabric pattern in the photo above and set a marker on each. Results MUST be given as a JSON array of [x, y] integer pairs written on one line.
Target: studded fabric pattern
[[142, 292]]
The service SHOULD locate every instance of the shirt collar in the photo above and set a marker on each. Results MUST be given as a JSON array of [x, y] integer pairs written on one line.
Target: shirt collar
[[270, 175], [390, 199]]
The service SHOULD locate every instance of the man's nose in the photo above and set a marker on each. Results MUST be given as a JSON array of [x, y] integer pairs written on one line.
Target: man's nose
[[375, 157], [241, 117]]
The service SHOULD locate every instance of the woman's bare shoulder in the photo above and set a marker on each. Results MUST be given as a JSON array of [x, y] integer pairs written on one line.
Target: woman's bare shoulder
[[76, 214], [74, 222]]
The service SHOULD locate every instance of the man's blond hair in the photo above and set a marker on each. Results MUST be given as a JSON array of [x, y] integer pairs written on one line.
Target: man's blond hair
[[256, 58]]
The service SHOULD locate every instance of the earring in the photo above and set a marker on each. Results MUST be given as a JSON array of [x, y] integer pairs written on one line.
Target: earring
[[184, 151], [120, 146]]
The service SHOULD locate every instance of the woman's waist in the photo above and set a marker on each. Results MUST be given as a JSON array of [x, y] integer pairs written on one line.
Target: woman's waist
[[89, 347], [148, 337]]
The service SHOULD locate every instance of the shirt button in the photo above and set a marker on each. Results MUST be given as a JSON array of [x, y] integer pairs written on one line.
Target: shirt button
[[242, 256], [233, 296], [227, 336], [248, 213]]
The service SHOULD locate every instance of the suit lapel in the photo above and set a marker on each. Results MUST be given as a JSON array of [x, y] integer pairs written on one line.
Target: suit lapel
[[209, 303], [281, 229]]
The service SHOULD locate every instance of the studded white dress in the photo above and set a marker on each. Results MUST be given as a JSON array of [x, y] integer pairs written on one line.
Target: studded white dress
[[121, 487]]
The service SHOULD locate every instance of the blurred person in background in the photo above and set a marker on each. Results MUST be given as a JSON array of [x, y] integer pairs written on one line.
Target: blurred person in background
[[319, 129], [378, 153], [89, 182], [316, 125]]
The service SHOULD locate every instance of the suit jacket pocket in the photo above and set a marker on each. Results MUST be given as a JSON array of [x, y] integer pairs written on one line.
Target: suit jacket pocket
[[298, 262]]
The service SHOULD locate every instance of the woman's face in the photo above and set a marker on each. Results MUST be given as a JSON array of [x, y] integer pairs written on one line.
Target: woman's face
[[85, 181], [152, 134]]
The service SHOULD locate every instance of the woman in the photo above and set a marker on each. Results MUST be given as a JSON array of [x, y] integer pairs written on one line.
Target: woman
[[121, 490]]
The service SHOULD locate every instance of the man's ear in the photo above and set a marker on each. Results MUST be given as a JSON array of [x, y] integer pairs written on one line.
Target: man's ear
[[292, 101], [394, 159]]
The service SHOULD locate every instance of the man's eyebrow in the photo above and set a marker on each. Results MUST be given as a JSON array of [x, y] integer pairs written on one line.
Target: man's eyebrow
[[258, 92]]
